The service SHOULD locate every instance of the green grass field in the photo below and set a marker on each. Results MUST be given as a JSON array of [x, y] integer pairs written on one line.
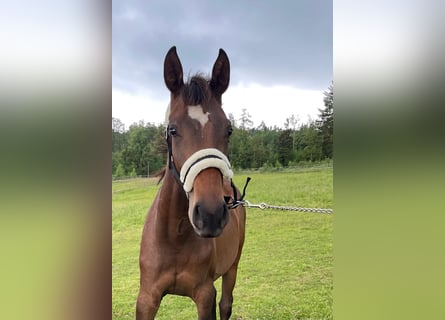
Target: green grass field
[[286, 267]]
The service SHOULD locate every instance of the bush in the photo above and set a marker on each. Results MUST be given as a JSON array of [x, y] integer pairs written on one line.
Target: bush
[[120, 171]]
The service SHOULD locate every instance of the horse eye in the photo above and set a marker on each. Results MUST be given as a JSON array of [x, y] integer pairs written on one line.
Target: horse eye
[[172, 131], [229, 131]]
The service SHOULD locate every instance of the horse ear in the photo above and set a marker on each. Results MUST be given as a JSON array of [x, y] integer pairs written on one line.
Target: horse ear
[[173, 71], [220, 74]]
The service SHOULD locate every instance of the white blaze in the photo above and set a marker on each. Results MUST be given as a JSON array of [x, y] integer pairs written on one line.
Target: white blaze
[[196, 113]]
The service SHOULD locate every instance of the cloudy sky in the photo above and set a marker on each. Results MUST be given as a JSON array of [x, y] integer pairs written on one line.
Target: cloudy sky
[[280, 54]]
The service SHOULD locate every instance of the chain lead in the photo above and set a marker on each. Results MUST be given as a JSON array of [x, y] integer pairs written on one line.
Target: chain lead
[[235, 203], [264, 205]]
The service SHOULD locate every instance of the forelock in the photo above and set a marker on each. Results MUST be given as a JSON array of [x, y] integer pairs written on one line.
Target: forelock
[[196, 91]]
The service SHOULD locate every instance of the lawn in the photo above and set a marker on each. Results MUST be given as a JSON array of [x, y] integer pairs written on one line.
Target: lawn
[[286, 267]]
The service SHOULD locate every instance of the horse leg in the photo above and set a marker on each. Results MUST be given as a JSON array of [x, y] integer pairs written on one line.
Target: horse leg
[[205, 300], [228, 283], [147, 305]]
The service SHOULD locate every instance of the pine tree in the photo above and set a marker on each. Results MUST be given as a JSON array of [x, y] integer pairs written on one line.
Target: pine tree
[[245, 120], [284, 147], [326, 123]]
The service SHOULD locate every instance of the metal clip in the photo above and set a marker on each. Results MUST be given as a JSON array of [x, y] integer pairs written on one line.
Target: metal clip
[[261, 206]]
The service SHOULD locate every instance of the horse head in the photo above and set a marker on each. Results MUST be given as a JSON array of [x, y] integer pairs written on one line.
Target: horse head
[[197, 137]]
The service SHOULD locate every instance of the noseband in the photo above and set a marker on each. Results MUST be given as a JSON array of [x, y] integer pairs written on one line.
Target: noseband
[[200, 160], [197, 162]]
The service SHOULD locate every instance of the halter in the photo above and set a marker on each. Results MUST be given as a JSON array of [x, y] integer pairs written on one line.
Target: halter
[[197, 162]]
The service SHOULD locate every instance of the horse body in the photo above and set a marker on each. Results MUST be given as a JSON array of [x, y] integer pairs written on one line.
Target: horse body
[[192, 238]]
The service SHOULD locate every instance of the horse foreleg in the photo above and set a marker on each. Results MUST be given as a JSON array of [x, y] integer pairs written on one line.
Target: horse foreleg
[[147, 305], [228, 283], [205, 300]]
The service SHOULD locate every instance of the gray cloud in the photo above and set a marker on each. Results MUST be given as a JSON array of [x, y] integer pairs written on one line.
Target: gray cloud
[[268, 42]]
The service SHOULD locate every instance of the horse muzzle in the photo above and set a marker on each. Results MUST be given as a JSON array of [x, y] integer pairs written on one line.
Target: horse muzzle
[[209, 220]]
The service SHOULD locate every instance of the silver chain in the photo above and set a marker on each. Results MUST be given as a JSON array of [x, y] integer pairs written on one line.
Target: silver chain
[[263, 206]]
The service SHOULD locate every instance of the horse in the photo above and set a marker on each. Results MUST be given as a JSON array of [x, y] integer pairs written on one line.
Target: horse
[[193, 233]]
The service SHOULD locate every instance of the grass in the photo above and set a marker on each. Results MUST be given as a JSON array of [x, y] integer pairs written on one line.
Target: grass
[[286, 267]]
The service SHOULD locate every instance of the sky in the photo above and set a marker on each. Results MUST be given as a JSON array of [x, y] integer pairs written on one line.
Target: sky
[[280, 55]]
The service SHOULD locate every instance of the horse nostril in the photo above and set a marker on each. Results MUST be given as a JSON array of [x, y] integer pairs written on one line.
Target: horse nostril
[[224, 211], [197, 219], [225, 215]]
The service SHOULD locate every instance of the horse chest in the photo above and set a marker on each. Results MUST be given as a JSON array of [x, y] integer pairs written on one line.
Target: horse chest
[[193, 266]]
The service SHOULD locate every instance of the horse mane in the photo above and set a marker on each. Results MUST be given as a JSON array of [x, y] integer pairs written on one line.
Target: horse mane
[[196, 90]]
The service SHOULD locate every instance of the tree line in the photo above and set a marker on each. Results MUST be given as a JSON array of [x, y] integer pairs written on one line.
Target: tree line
[[141, 150]]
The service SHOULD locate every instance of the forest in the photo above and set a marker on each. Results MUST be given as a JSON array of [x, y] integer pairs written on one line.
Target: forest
[[141, 150]]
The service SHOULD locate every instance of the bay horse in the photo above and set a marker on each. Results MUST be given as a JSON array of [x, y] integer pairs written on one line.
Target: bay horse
[[193, 234]]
